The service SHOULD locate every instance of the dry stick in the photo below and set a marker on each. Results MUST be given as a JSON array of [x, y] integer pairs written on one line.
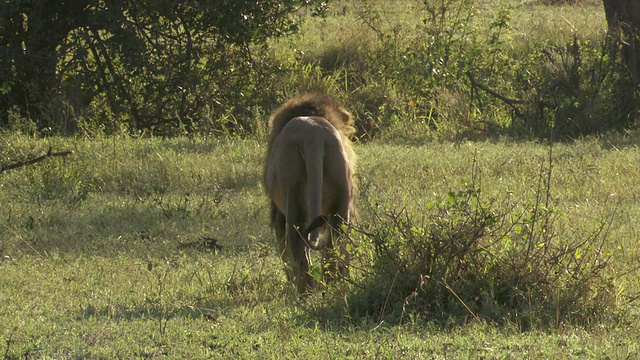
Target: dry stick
[[460, 300], [19, 164], [386, 300], [8, 342], [508, 101], [513, 102]]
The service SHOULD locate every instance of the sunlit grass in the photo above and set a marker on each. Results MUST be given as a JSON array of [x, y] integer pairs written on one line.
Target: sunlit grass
[[107, 275]]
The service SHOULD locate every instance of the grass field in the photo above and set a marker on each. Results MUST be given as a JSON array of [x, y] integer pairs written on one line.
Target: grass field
[[148, 247], [96, 260]]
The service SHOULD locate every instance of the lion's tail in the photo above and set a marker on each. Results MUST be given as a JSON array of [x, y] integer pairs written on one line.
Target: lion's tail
[[314, 165]]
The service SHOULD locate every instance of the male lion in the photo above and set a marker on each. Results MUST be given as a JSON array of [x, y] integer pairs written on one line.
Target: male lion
[[309, 179]]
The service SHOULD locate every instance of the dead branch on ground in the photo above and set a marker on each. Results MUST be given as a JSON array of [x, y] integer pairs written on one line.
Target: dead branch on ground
[[34, 160]]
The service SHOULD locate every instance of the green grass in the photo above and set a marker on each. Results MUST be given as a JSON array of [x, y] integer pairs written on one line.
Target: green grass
[[93, 267]]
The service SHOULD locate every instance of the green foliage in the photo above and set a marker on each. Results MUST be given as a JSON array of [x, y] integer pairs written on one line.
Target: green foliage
[[451, 69], [153, 65], [457, 69], [58, 180], [577, 91], [467, 257]]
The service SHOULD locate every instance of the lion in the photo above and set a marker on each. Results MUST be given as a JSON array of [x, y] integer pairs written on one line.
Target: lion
[[308, 177]]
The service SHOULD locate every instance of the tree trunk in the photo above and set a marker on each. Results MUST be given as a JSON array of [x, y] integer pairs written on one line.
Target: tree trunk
[[623, 17]]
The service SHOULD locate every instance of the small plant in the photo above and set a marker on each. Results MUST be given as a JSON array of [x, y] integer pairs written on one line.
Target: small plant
[[20, 124], [157, 299]]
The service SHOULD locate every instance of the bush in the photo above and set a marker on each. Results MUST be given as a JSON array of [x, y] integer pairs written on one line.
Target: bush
[[412, 69], [469, 258], [454, 76], [579, 90]]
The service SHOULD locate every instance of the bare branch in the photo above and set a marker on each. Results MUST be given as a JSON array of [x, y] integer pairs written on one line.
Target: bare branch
[[508, 101], [34, 160]]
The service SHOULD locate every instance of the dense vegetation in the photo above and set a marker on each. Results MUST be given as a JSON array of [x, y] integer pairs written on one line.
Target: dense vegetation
[[451, 68], [140, 65]]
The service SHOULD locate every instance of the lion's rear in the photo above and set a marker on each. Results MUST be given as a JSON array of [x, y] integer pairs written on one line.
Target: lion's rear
[[308, 174]]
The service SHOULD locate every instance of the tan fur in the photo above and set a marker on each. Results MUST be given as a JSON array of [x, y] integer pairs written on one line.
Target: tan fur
[[309, 179]]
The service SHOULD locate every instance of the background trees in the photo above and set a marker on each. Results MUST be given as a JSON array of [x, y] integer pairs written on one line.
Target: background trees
[[148, 63], [623, 18], [173, 67]]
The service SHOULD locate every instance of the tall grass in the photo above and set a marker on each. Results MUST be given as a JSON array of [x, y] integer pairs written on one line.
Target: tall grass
[[425, 67]]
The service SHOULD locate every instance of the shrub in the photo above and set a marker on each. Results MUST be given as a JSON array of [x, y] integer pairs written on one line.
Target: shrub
[[467, 257]]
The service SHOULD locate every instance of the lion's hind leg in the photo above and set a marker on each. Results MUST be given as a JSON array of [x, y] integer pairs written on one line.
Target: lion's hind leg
[[300, 257], [300, 260], [279, 223]]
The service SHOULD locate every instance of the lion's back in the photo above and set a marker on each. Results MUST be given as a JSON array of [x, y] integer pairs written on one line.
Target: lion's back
[[311, 105]]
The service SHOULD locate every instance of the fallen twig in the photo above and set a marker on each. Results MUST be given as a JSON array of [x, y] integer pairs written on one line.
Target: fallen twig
[[475, 317], [34, 160], [206, 243]]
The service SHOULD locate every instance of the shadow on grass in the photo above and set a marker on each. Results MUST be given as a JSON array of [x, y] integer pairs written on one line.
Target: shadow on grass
[[139, 228]]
